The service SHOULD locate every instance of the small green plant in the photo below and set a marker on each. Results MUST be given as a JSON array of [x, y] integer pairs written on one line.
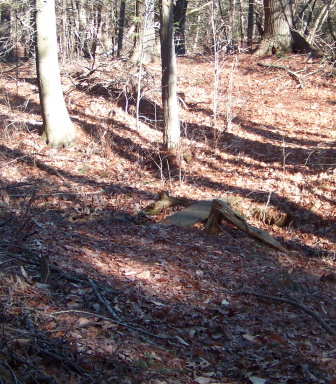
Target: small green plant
[[150, 360], [141, 364], [145, 363]]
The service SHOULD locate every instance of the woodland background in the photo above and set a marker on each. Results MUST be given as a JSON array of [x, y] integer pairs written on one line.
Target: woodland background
[[92, 288]]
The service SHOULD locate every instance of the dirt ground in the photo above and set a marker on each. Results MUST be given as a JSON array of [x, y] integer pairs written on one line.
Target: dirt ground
[[92, 290]]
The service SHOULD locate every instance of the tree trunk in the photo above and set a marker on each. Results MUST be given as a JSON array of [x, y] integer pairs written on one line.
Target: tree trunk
[[6, 32], [331, 30], [64, 41], [319, 20], [82, 38], [171, 136], [232, 17], [250, 24], [96, 29], [242, 24], [121, 26], [144, 44], [278, 22], [180, 10], [58, 128]]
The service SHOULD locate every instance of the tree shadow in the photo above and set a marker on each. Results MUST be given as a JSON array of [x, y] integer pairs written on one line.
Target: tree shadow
[[203, 272], [303, 219], [126, 99], [191, 309]]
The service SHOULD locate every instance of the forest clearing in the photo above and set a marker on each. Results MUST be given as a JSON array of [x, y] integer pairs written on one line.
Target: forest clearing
[[94, 290]]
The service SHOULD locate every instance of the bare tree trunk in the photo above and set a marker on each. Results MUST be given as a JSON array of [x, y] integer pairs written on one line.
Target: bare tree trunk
[[180, 10], [58, 128], [331, 30], [97, 22], [121, 26], [278, 22], [82, 29], [144, 45], [6, 32], [74, 25], [319, 20], [171, 136], [250, 24], [64, 34], [230, 27], [309, 19], [241, 25]]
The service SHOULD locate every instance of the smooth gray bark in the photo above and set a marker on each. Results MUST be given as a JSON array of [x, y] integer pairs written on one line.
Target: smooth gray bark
[[58, 128]]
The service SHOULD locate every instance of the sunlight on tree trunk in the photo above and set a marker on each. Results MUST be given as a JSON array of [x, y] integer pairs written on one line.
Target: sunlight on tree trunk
[[171, 138], [58, 128], [278, 22]]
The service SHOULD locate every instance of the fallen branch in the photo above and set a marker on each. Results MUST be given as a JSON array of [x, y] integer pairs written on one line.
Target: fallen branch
[[170, 338], [291, 73], [103, 301], [299, 305], [220, 210], [65, 361], [165, 201]]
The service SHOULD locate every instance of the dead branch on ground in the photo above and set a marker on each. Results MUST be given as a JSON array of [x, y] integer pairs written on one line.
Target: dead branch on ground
[[296, 304], [165, 201], [291, 73], [221, 210], [103, 301]]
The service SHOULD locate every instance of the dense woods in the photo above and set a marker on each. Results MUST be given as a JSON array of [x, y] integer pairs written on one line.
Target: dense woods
[[136, 30], [119, 28], [167, 191]]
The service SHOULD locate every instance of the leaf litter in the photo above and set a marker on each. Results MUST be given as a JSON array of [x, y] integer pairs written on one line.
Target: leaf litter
[[93, 290]]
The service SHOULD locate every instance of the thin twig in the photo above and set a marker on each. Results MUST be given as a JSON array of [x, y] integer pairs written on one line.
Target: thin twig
[[11, 371], [299, 305], [329, 228], [175, 338], [24, 220], [64, 360], [5, 222], [16, 185], [104, 301]]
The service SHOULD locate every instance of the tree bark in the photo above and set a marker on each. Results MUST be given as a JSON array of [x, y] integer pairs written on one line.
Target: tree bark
[[144, 45], [278, 22], [58, 128], [180, 10], [6, 32], [121, 26], [319, 20], [171, 136], [250, 24]]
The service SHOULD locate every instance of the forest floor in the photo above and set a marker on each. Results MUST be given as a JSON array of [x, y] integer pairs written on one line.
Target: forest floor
[[94, 291]]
